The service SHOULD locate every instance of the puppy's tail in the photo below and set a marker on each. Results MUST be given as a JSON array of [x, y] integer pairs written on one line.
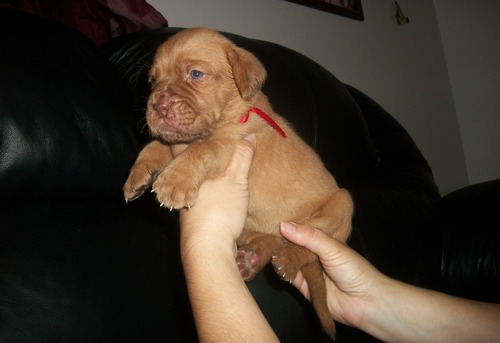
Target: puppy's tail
[[313, 273]]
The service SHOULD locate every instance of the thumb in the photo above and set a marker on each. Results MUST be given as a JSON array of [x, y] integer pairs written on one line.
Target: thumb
[[239, 166], [308, 237]]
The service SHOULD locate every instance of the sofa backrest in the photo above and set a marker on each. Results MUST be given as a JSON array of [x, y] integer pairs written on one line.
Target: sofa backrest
[[65, 122]]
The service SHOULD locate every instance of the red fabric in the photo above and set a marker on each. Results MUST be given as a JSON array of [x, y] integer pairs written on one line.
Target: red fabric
[[99, 20], [263, 115]]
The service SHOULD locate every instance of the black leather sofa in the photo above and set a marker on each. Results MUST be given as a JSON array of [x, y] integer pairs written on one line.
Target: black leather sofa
[[77, 264]]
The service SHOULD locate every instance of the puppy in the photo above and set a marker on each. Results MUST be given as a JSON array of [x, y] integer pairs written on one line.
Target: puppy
[[206, 92]]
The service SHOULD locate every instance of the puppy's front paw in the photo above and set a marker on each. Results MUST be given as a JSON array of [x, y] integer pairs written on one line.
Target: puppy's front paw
[[139, 179], [176, 189]]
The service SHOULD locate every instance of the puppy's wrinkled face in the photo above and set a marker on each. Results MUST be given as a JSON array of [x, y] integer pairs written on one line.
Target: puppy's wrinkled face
[[196, 84]]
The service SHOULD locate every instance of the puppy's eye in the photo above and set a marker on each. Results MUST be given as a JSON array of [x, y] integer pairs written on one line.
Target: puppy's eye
[[196, 74]]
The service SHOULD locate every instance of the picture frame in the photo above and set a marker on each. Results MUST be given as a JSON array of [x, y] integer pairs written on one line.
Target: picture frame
[[346, 8]]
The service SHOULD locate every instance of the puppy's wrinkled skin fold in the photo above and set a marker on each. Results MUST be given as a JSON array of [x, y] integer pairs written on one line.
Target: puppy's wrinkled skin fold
[[202, 85]]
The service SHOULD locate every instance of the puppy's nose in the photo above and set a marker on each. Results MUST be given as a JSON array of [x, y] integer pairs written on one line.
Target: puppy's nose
[[161, 108], [162, 104]]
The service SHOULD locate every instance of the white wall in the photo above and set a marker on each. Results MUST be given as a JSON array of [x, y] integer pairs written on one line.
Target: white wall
[[471, 40], [401, 67]]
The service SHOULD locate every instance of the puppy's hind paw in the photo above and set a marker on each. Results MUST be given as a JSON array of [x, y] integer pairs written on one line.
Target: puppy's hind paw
[[248, 263], [284, 265]]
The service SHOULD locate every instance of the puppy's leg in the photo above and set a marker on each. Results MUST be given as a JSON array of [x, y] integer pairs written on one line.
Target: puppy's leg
[[254, 252], [335, 216], [291, 258], [150, 162], [177, 185]]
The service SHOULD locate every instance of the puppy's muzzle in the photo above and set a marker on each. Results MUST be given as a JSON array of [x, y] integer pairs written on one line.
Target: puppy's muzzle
[[163, 104]]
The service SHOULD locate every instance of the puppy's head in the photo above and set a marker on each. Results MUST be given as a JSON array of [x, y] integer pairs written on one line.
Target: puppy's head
[[200, 80]]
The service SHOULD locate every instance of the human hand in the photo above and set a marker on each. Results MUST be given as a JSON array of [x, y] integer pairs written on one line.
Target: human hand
[[392, 311], [353, 284], [221, 208]]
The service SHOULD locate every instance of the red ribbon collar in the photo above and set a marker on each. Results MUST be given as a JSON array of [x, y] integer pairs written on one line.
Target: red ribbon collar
[[263, 115]]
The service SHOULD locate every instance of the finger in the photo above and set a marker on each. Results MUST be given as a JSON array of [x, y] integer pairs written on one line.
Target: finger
[[239, 166], [313, 239], [301, 284]]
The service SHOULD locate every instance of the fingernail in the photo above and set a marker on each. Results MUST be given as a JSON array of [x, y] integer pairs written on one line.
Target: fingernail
[[251, 138], [288, 227]]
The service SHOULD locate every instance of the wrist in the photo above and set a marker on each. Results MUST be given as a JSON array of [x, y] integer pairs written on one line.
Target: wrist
[[374, 308], [383, 317], [201, 244]]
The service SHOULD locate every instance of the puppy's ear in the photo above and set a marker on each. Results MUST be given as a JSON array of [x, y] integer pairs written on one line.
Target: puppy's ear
[[249, 74]]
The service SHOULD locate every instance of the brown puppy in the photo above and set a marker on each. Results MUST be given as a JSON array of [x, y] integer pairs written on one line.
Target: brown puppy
[[206, 92]]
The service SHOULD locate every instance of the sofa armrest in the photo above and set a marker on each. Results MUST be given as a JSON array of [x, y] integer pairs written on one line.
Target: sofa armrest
[[470, 261]]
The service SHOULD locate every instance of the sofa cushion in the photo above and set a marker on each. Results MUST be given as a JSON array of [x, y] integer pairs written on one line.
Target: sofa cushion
[[65, 124]]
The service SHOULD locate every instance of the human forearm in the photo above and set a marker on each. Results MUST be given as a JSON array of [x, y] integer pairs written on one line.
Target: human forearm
[[223, 308], [404, 313]]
